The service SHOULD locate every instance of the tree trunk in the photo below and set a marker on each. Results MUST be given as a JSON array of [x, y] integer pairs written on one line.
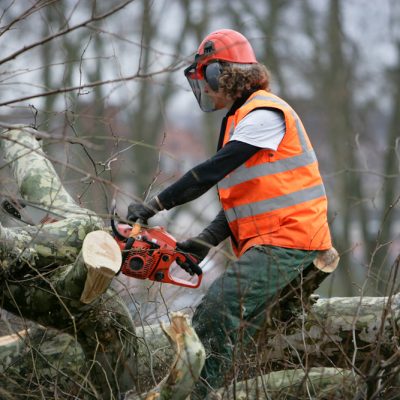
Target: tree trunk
[[299, 384]]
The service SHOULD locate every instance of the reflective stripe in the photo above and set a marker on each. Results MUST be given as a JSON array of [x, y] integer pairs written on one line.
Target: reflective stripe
[[244, 174], [231, 129], [264, 206], [300, 129]]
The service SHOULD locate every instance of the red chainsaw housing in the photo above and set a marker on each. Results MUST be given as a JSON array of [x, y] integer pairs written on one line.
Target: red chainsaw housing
[[152, 255]]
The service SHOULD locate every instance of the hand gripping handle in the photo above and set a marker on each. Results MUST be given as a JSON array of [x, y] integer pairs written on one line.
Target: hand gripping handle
[[189, 263]]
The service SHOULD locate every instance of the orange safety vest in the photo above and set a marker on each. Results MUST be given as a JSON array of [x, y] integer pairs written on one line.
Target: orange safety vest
[[276, 197]]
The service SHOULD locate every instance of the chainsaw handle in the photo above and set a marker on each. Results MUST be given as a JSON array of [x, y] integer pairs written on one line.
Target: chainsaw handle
[[189, 263], [136, 228], [194, 266]]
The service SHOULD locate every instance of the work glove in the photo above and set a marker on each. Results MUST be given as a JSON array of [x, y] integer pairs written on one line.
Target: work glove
[[199, 246], [195, 249], [196, 246], [143, 211]]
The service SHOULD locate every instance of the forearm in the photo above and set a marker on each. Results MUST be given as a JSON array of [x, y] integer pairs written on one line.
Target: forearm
[[210, 237], [186, 189], [217, 231], [204, 176]]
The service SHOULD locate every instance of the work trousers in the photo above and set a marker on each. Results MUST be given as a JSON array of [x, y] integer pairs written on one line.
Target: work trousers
[[237, 306]]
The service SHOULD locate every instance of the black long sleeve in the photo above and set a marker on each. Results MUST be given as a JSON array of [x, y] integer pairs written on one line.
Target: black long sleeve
[[217, 231], [204, 176]]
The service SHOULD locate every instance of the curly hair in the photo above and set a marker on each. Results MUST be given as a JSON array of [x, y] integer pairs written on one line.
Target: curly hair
[[237, 79]]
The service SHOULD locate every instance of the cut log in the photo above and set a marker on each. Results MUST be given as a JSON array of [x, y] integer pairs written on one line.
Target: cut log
[[102, 257]]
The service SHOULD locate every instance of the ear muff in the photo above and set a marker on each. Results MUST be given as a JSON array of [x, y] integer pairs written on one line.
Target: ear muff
[[212, 73]]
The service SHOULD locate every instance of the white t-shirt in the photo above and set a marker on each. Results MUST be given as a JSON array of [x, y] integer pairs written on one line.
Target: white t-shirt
[[262, 128]]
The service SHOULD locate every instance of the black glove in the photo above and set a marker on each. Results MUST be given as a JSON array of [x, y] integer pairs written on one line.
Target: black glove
[[196, 247], [143, 211], [196, 250], [200, 245]]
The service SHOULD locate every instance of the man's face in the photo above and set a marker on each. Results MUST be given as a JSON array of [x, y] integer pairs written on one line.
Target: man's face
[[208, 99], [218, 98]]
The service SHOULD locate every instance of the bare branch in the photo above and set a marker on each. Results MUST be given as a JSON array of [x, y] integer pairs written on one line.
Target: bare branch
[[36, 7], [90, 85], [44, 135], [64, 32]]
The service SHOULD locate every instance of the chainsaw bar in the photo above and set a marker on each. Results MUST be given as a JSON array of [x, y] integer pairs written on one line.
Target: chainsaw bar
[[29, 213]]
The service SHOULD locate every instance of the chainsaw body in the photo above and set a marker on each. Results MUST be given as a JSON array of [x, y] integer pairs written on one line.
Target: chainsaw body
[[151, 254]]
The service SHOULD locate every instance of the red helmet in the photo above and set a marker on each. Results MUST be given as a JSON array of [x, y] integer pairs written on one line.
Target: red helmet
[[223, 45], [226, 45]]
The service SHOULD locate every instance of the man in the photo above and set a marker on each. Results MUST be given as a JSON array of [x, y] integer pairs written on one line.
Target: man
[[274, 207]]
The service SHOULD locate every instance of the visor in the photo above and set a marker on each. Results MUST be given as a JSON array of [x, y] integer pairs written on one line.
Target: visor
[[196, 80]]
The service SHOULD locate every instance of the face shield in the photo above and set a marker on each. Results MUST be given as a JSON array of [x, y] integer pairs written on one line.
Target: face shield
[[197, 82]]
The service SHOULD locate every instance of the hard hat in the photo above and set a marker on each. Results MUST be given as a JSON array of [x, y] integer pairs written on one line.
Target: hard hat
[[224, 45]]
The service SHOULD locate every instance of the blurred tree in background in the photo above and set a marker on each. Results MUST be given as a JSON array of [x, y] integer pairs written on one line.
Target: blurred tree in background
[[112, 73]]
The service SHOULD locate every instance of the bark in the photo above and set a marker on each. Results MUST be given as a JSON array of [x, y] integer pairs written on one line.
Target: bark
[[315, 383], [344, 332], [38, 182], [41, 362], [173, 351]]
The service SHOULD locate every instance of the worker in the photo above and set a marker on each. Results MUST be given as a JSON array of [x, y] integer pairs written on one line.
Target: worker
[[274, 206]]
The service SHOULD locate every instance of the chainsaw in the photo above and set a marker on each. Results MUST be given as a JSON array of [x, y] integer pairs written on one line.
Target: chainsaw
[[151, 253]]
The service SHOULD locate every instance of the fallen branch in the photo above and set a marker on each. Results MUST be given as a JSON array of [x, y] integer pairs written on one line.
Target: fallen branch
[[186, 368]]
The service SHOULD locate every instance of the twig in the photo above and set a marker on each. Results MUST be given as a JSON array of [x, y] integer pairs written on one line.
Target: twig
[[36, 7], [44, 135], [89, 85], [64, 32]]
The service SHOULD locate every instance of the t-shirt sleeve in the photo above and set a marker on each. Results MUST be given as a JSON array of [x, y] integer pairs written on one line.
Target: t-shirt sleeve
[[263, 128]]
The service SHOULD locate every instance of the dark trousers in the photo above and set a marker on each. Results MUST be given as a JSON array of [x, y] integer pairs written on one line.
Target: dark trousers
[[238, 304]]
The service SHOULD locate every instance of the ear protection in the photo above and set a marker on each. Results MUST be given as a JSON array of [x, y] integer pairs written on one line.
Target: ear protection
[[212, 72]]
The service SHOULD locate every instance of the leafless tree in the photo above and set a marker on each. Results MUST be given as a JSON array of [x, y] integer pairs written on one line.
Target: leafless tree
[[101, 84]]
